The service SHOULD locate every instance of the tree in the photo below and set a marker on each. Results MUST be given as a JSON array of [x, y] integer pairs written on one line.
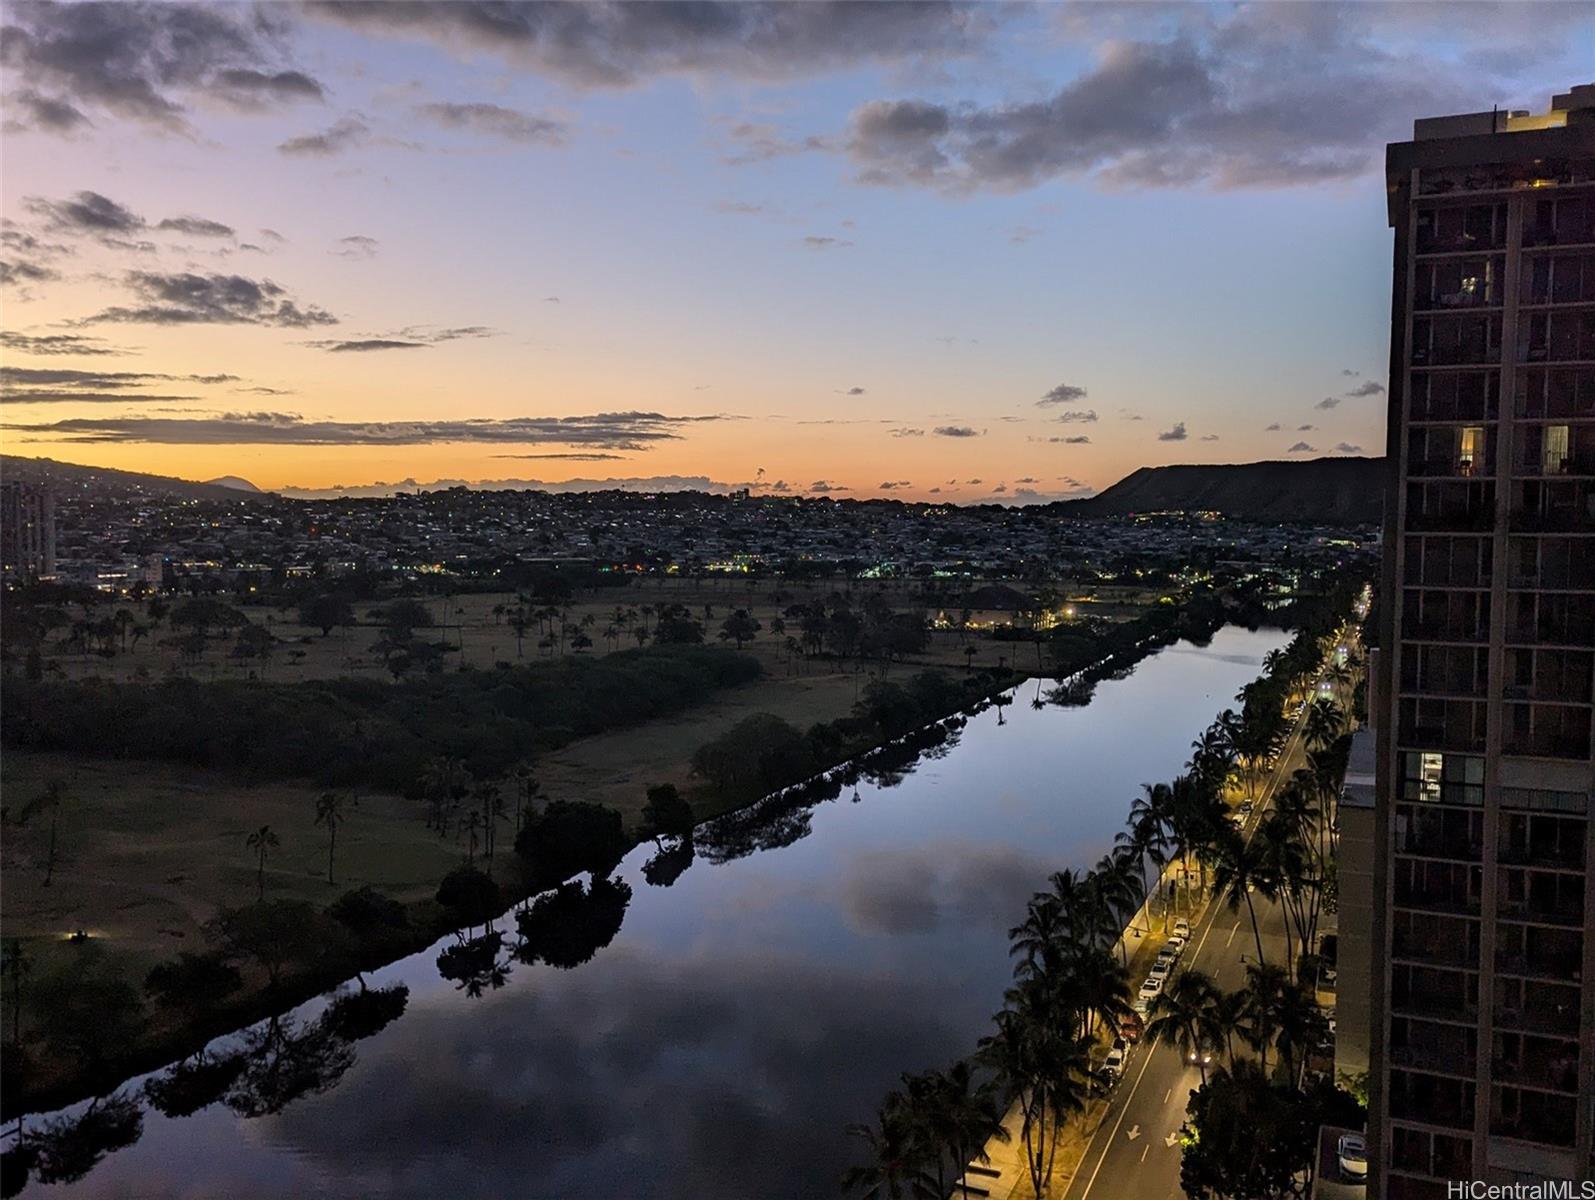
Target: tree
[[16, 964], [1246, 1137], [567, 926], [1188, 1014], [263, 841], [88, 1013], [50, 801], [1042, 1064], [569, 837], [667, 813], [897, 1167], [192, 982], [275, 936], [1241, 869], [330, 812], [740, 627], [471, 897], [327, 611]]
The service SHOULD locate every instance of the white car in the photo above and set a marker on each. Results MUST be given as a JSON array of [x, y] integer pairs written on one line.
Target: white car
[[1114, 1063], [1143, 1004], [1159, 972], [1166, 957], [1182, 928], [1151, 989], [1352, 1155]]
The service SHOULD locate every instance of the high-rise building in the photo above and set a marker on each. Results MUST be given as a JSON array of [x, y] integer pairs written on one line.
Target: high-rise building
[[1482, 1014], [27, 531]]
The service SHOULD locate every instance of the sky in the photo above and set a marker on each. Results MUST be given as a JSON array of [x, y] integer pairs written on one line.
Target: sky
[[959, 252]]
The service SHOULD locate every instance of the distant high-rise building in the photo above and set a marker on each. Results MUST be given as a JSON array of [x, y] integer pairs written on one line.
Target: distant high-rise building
[[1482, 1010], [27, 531]]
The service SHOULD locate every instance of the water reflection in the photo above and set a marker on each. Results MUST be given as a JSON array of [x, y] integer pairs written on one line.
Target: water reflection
[[708, 1036]]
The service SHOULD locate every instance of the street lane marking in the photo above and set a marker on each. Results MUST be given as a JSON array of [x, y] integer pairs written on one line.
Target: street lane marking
[[1135, 1132], [1168, 1095], [1145, 1150]]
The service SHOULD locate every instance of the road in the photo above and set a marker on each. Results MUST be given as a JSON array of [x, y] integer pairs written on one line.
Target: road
[[1134, 1154]]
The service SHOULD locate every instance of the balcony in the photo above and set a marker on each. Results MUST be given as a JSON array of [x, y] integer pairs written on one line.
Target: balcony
[[1455, 1062]]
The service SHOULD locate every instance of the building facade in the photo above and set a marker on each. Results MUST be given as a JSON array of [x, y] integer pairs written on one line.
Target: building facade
[[1482, 1014], [27, 532]]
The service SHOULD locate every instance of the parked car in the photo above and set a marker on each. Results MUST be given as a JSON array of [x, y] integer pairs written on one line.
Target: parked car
[[1352, 1155], [1246, 808], [1130, 1028], [1143, 1004], [1159, 972], [1151, 989], [1166, 957], [1176, 944], [1182, 928], [1114, 1063]]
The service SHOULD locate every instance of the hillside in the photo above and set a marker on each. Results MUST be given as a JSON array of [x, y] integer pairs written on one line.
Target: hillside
[[32, 470], [1342, 491]]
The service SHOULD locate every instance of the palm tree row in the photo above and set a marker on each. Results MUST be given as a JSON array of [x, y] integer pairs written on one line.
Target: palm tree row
[[1270, 1013]]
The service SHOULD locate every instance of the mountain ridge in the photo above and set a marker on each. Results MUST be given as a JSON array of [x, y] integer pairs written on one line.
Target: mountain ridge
[[1338, 491]]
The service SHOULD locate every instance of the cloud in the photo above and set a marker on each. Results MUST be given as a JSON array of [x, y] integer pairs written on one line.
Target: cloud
[[604, 431], [893, 485], [193, 299], [358, 246], [1020, 234], [1077, 417], [196, 227], [142, 61], [1368, 387], [86, 213], [1130, 416], [1327, 403], [411, 337], [19, 271], [822, 486], [1177, 434], [1064, 393], [1210, 437], [572, 456], [1349, 373], [1272, 427], [58, 385], [346, 133], [1078, 439], [956, 431], [1305, 428], [1300, 448], [814, 242], [854, 391], [57, 343], [607, 44], [261, 390], [46, 114], [1250, 96], [1347, 448], [497, 121], [757, 142], [907, 431]]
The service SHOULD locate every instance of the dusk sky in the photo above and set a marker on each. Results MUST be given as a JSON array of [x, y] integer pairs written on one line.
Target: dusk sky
[[927, 251]]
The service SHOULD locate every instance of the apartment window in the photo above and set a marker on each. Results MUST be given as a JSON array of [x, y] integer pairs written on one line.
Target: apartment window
[[1458, 339], [1553, 897], [1537, 1006], [1439, 831], [1567, 336], [1458, 283], [1435, 886], [1533, 1116], [1455, 395], [1537, 951], [1553, 392], [1561, 676], [1431, 1099], [1450, 505], [1556, 619], [1551, 562], [1449, 451], [1448, 561], [1547, 730], [1445, 616], [1567, 221], [1443, 670], [1552, 504], [1445, 229], [1558, 279], [1433, 937], [1449, 778], [1430, 1153]]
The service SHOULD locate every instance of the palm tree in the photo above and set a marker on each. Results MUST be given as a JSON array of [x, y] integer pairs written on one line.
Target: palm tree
[[967, 1115], [1240, 869], [896, 1169], [263, 841], [15, 964], [1188, 1013], [1324, 723], [329, 812], [1284, 857], [1120, 888], [1299, 1026], [48, 800], [1260, 1005]]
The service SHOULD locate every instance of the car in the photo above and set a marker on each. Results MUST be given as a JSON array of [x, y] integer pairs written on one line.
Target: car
[[1182, 928], [1130, 1028], [1175, 946], [1246, 808], [1352, 1155], [1195, 1058], [1159, 971], [1114, 1063], [1151, 989], [1143, 1004], [1166, 957]]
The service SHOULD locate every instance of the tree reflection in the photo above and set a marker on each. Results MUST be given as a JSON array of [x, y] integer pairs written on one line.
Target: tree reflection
[[193, 1084], [567, 926], [668, 865], [284, 1064], [473, 964], [66, 1149], [362, 1014]]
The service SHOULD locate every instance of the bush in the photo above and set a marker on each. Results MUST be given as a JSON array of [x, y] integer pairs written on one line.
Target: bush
[[470, 896], [569, 837]]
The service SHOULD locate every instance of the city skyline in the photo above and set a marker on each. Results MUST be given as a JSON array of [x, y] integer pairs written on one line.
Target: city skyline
[[928, 251]]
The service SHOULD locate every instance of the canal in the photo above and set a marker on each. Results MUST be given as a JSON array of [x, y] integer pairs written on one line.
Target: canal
[[752, 1003]]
